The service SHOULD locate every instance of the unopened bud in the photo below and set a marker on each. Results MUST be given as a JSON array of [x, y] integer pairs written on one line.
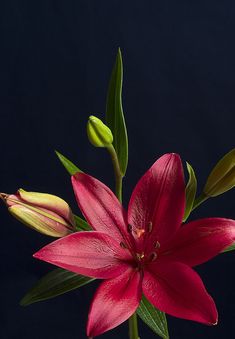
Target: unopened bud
[[98, 133], [45, 213], [222, 177]]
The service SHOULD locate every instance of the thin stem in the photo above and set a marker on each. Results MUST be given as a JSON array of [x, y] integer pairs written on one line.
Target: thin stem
[[203, 197], [133, 327], [133, 324], [117, 172]]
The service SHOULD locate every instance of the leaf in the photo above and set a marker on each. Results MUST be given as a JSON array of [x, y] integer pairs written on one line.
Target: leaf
[[81, 224], [230, 248], [191, 190], [154, 318], [114, 113], [55, 283], [69, 166]]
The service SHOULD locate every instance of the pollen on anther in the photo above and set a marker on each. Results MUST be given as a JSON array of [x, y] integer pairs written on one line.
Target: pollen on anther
[[153, 256], [157, 245], [150, 226], [140, 256], [123, 245], [129, 228]]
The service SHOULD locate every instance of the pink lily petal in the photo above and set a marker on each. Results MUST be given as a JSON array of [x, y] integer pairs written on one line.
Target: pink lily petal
[[99, 206], [93, 254], [177, 289], [201, 240], [158, 200], [114, 302]]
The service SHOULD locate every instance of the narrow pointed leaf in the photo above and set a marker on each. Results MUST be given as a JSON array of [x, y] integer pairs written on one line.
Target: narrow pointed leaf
[[230, 248], [191, 190], [55, 283], [154, 318], [69, 166], [81, 224], [114, 113]]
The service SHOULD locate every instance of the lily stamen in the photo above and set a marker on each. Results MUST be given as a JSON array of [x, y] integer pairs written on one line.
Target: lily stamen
[[150, 226], [140, 256], [123, 245], [157, 245], [153, 256]]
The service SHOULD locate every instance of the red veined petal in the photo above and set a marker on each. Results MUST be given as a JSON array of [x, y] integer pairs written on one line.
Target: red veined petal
[[100, 206], [93, 254], [201, 240], [114, 302], [158, 198], [176, 289]]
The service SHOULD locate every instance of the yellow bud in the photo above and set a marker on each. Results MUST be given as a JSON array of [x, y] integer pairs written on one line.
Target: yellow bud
[[98, 133], [222, 177], [45, 213]]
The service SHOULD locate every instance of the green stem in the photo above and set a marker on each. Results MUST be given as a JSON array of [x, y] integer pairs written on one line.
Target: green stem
[[133, 324], [203, 197], [117, 172], [133, 327]]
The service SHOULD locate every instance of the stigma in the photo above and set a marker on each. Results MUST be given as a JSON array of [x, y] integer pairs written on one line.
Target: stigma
[[139, 232]]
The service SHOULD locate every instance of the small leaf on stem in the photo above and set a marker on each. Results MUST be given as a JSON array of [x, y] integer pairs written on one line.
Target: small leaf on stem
[[69, 166], [81, 224], [191, 190], [57, 282], [114, 114], [230, 248], [154, 318]]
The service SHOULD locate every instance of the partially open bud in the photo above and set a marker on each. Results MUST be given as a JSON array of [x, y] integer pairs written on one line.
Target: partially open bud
[[222, 177], [45, 213], [98, 133]]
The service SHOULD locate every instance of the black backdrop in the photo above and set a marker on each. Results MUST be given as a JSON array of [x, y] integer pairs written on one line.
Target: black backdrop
[[56, 58]]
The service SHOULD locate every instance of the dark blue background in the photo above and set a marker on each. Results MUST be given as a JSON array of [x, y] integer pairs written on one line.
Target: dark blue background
[[179, 82]]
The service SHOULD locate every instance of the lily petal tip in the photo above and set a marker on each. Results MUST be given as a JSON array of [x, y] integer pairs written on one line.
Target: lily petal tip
[[215, 323], [37, 255]]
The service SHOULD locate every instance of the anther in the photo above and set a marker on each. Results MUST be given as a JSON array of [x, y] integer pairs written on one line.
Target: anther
[[157, 245], [140, 256], [150, 226], [129, 228], [153, 256], [123, 245]]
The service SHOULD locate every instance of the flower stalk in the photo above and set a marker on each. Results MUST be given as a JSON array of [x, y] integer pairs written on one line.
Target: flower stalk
[[117, 172], [133, 322], [133, 327]]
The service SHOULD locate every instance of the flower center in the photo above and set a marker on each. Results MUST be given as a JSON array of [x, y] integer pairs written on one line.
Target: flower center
[[144, 254]]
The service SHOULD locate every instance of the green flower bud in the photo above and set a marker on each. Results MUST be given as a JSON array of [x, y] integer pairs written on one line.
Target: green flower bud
[[222, 177], [45, 213], [98, 133]]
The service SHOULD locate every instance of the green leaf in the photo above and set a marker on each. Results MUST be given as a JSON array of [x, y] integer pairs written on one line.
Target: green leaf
[[81, 224], [69, 166], [154, 318], [191, 190], [114, 114], [230, 248], [55, 283]]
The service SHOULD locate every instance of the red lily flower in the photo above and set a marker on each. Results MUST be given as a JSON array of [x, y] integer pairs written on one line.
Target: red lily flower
[[145, 251]]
